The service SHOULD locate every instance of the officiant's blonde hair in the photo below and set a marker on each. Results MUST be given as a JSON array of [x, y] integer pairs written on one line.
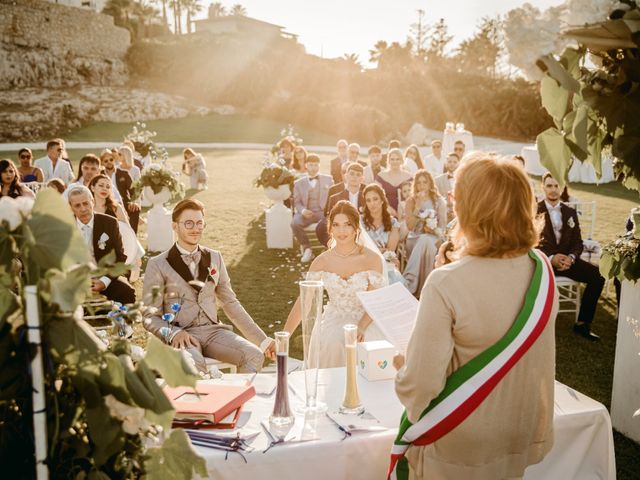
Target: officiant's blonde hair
[[496, 208]]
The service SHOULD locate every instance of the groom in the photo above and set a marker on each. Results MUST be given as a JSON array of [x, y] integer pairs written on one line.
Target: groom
[[195, 278]]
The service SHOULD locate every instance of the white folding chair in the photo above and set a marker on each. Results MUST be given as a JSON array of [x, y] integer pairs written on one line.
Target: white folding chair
[[212, 361]]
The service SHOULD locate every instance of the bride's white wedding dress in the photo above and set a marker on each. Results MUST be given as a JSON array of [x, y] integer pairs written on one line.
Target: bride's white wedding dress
[[342, 308]]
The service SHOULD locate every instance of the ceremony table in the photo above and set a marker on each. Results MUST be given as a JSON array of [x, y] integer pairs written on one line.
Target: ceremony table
[[583, 445], [580, 172]]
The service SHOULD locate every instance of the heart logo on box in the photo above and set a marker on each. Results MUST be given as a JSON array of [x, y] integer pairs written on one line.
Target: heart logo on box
[[362, 364], [382, 364]]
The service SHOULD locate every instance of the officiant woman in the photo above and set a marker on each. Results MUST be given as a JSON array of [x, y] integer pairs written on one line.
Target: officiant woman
[[468, 306]]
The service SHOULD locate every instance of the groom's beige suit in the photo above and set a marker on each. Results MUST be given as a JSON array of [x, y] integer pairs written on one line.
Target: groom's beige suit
[[168, 280]]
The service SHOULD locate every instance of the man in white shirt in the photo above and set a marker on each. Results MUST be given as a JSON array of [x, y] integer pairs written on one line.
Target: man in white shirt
[[561, 241], [102, 236], [446, 182], [353, 186], [52, 165], [434, 162]]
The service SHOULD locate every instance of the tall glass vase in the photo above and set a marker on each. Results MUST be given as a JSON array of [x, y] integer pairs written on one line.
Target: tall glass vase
[[282, 419], [351, 403], [311, 292]]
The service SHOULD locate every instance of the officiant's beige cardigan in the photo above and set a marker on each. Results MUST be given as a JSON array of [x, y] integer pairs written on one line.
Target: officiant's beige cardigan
[[465, 307]]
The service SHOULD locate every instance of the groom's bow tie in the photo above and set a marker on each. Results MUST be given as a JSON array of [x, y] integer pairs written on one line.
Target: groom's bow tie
[[313, 178], [193, 257]]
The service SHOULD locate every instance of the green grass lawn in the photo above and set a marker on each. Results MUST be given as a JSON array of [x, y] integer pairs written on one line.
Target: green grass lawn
[[265, 280], [208, 128]]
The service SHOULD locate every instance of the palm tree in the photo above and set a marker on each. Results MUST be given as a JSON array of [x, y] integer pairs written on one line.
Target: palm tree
[[121, 11], [239, 10], [144, 12], [378, 51], [177, 16], [164, 11], [216, 9], [192, 7]]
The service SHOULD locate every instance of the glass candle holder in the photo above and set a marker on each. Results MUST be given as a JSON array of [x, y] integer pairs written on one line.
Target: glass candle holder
[[351, 403], [311, 299], [282, 419]]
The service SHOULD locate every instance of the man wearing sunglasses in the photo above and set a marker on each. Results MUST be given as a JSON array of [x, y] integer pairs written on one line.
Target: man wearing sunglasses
[[192, 282], [53, 165]]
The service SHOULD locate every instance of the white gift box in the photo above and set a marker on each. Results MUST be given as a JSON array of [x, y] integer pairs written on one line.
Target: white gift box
[[375, 360]]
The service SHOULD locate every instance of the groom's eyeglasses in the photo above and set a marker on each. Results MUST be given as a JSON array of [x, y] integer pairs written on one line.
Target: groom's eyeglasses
[[190, 224]]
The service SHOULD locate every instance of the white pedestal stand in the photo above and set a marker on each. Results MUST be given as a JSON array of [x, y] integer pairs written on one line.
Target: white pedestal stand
[[159, 231], [625, 398], [146, 161], [279, 218]]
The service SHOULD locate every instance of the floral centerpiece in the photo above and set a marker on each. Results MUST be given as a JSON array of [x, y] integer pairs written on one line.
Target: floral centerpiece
[[157, 177], [142, 139], [288, 133], [591, 89], [274, 175], [106, 417]]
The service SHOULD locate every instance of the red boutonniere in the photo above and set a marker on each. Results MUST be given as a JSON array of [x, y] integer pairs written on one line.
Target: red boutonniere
[[213, 274]]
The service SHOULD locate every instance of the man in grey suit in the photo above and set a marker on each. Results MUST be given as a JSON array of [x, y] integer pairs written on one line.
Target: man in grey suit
[[193, 280], [53, 165], [446, 182], [310, 195]]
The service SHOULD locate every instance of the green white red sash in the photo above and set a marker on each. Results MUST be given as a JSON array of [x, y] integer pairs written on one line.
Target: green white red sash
[[467, 387]]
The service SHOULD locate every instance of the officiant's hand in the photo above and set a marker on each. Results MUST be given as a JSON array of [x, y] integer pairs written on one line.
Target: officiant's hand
[[270, 352], [398, 361], [183, 340]]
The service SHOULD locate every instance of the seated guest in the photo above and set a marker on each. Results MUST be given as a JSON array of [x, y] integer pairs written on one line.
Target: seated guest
[[88, 168], [391, 179], [385, 158], [309, 200], [102, 192], [121, 183], [434, 162], [459, 148], [562, 243], [127, 163], [353, 154], [285, 151], [375, 165], [465, 311], [53, 165], [28, 173], [337, 187], [446, 182], [426, 218], [195, 277], [336, 163], [102, 236], [57, 185], [137, 158], [412, 159], [10, 184], [352, 192], [299, 160], [383, 229]]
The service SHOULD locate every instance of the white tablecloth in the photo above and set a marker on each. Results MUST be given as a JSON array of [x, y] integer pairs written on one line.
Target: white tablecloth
[[580, 172], [449, 138], [583, 447]]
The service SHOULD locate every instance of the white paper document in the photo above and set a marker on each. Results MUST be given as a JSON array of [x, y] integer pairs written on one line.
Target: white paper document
[[393, 309]]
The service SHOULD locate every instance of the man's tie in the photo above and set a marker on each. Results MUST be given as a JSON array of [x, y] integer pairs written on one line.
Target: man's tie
[[192, 260], [313, 178]]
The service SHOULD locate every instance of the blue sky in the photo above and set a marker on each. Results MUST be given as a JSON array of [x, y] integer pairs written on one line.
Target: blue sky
[[335, 27]]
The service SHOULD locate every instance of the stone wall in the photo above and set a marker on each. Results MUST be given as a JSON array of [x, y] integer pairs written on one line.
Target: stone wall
[[47, 45]]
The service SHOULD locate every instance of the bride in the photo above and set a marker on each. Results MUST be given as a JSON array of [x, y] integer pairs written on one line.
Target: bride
[[346, 268]]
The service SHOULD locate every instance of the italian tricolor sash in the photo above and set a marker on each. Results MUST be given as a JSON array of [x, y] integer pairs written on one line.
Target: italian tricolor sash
[[467, 387]]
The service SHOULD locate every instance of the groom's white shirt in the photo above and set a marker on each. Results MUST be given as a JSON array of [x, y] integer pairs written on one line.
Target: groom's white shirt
[[62, 169]]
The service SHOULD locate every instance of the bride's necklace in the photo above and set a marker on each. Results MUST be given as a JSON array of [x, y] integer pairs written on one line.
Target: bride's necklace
[[345, 255]]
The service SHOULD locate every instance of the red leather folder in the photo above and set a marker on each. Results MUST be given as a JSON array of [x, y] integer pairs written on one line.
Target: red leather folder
[[210, 403]]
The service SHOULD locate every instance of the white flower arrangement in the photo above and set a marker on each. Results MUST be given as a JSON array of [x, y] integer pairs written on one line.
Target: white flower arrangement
[[390, 256], [578, 13], [13, 211]]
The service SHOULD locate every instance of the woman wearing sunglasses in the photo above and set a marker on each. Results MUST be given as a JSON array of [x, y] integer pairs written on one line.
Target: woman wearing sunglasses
[[28, 173]]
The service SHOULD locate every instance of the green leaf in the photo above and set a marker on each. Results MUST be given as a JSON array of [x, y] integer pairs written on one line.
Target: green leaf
[[58, 243], [559, 73], [112, 379], [554, 154], [105, 432], [606, 265], [65, 332], [176, 459], [595, 136], [579, 128], [169, 363], [67, 289], [555, 99]]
